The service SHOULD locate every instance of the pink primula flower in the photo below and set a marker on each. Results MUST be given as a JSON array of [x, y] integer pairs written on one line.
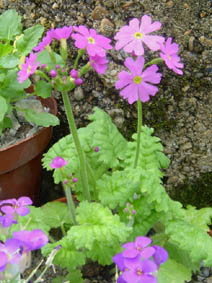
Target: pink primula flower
[[58, 162], [45, 41], [61, 33], [136, 83], [94, 43], [28, 68], [132, 37], [168, 53], [99, 64]]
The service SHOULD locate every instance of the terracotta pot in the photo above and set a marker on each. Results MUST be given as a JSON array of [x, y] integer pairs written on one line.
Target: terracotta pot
[[20, 165]]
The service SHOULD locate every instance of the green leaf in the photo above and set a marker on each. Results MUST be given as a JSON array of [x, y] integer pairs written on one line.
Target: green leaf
[[199, 217], [10, 25], [29, 40], [9, 61], [5, 49], [67, 256], [44, 119], [43, 89], [44, 58], [57, 214], [3, 108], [173, 272], [98, 231], [107, 137]]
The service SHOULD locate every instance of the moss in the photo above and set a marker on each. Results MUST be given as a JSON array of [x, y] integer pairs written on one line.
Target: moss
[[197, 194]]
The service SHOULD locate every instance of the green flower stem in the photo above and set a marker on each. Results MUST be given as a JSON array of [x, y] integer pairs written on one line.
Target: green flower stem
[[91, 174], [79, 54], [138, 132], [85, 69], [42, 75], [154, 61], [70, 203], [73, 129]]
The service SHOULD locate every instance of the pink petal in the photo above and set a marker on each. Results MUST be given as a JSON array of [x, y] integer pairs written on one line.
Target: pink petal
[[136, 46], [81, 42], [134, 25], [135, 66], [147, 26], [82, 29], [130, 93], [23, 210], [150, 75], [24, 201], [153, 41], [124, 79], [142, 241], [147, 252]]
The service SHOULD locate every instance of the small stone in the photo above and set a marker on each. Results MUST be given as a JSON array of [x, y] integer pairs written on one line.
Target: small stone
[[186, 146], [170, 4], [209, 279], [78, 93], [205, 41], [106, 27], [42, 20], [99, 13], [55, 6], [33, 104], [191, 43], [1, 4], [80, 20]]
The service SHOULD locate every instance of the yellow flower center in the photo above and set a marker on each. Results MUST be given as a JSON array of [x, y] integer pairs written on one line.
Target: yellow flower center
[[169, 57], [137, 79], [139, 272], [138, 35], [29, 69], [91, 40]]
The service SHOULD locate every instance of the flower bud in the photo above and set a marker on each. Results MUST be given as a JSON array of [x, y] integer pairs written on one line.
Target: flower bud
[[78, 81], [74, 180], [74, 73], [133, 211], [53, 73], [43, 66], [65, 181], [96, 149], [57, 66]]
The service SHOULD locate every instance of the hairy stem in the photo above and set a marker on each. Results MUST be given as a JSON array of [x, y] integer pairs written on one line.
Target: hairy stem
[[139, 124]]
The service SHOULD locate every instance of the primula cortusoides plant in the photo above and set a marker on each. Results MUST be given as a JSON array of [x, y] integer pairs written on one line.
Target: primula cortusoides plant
[[117, 182]]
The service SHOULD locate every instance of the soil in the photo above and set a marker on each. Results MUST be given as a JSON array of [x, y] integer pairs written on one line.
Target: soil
[[181, 111]]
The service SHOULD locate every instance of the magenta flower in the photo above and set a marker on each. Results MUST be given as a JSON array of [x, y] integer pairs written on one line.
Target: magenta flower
[[96, 149], [45, 41], [139, 247], [132, 37], [99, 64], [94, 43], [160, 255], [28, 68], [139, 271], [7, 220], [136, 85], [119, 261], [31, 240], [60, 33], [169, 53], [19, 206], [9, 253], [58, 162]]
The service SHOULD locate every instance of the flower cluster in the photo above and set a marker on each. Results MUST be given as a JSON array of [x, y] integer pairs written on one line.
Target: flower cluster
[[84, 39], [139, 262], [140, 82], [16, 250]]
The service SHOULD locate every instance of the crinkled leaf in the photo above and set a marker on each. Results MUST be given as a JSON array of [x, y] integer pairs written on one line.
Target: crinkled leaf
[[57, 213], [173, 272], [44, 58], [29, 40], [97, 226], [107, 137], [10, 25], [43, 89], [67, 256], [199, 217], [44, 119]]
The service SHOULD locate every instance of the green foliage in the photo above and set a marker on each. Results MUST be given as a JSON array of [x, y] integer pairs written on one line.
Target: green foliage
[[98, 231], [10, 25], [173, 272], [43, 89], [44, 119]]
